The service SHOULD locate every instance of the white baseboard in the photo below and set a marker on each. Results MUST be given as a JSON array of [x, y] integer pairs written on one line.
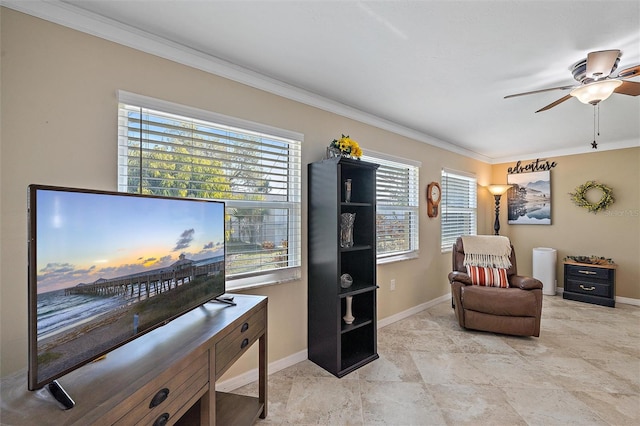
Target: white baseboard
[[412, 311], [619, 299], [628, 300], [252, 375]]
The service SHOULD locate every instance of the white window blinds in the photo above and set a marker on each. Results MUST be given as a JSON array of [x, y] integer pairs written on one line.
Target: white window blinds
[[458, 207], [257, 175], [397, 205]]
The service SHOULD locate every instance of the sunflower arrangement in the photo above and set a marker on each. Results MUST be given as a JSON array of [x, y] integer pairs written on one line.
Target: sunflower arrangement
[[347, 146]]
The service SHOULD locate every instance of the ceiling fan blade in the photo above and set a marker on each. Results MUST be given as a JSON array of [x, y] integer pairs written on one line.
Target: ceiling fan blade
[[631, 88], [551, 105], [600, 64], [629, 72], [540, 91]]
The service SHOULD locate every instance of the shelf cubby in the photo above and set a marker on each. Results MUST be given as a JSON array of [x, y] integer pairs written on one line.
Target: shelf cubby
[[338, 347]]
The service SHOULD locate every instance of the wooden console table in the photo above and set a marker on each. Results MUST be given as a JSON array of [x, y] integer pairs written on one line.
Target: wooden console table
[[177, 365]]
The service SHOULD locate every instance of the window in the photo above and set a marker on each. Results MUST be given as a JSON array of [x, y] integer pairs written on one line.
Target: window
[[397, 206], [173, 150], [458, 207]]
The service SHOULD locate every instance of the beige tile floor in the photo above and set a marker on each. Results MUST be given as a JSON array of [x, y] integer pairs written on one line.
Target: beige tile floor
[[584, 369]]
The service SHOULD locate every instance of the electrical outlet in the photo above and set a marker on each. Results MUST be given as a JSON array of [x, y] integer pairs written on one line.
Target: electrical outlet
[[393, 284]]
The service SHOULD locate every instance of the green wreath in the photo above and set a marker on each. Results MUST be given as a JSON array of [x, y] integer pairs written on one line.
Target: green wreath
[[580, 199]]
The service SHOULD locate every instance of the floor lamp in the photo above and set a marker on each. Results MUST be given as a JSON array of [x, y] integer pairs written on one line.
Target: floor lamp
[[497, 191]]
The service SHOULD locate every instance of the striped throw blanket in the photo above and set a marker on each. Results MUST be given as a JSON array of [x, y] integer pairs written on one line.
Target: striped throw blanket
[[490, 251]]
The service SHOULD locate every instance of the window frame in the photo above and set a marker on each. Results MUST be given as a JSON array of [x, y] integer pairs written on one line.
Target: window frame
[[447, 238], [293, 194], [412, 207]]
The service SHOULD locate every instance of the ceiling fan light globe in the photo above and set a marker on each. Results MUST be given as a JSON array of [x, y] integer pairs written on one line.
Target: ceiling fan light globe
[[595, 92]]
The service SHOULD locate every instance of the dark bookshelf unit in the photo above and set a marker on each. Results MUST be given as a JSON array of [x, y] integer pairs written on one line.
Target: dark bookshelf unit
[[334, 345]]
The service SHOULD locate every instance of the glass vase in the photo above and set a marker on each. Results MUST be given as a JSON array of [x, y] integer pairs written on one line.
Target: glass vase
[[347, 191], [346, 280], [346, 229], [333, 152]]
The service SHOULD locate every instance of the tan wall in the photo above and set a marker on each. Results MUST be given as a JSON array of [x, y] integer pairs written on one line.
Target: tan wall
[[58, 126], [614, 233]]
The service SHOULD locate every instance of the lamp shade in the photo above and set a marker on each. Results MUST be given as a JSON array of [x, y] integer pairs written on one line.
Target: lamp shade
[[595, 92], [498, 189]]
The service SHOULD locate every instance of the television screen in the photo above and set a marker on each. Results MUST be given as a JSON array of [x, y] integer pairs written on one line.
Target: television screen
[[106, 267]]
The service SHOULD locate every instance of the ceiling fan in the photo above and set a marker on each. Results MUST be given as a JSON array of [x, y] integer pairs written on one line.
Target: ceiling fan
[[596, 81]]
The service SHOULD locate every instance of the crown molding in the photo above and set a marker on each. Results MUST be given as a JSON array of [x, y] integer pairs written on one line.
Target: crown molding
[[90, 23], [586, 149]]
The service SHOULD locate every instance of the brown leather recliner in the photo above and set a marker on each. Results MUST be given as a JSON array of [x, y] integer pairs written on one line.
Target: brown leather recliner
[[515, 310]]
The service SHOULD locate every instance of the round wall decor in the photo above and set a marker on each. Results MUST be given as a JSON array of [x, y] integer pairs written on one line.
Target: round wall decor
[[580, 196]]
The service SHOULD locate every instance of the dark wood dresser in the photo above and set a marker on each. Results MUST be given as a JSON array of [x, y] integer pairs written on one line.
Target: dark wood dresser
[[590, 283]]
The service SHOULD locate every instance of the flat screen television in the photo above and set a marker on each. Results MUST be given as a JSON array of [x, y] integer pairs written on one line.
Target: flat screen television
[[107, 267]]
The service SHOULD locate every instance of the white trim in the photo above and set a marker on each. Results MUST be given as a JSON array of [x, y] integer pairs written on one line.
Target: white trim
[[629, 143], [470, 175], [134, 102], [449, 230], [628, 300], [388, 161], [87, 22], [398, 257], [261, 279], [90, 23], [201, 114], [252, 375], [412, 311], [293, 359], [389, 157]]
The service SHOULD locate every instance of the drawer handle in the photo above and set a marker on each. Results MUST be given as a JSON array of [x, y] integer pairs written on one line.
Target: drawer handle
[[159, 397], [244, 328], [587, 272], [162, 420], [587, 289], [244, 343]]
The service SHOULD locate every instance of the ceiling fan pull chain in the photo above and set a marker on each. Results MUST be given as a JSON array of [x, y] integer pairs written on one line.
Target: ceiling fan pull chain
[[594, 144], [594, 123], [598, 119]]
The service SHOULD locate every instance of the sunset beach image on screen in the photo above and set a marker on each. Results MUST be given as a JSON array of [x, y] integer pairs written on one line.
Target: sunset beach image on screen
[[112, 266]]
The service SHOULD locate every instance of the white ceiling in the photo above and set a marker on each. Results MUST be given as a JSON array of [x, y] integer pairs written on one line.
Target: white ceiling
[[433, 70]]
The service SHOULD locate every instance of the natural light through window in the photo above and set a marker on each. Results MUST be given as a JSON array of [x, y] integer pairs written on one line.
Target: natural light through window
[[458, 206], [172, 150], [396, 206]]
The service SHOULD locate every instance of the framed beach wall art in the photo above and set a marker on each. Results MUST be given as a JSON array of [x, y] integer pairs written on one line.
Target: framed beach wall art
[[529, 198]]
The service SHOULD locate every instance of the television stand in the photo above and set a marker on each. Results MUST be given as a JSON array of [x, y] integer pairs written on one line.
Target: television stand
[[225, 299], [58, 392], [177, 364]]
